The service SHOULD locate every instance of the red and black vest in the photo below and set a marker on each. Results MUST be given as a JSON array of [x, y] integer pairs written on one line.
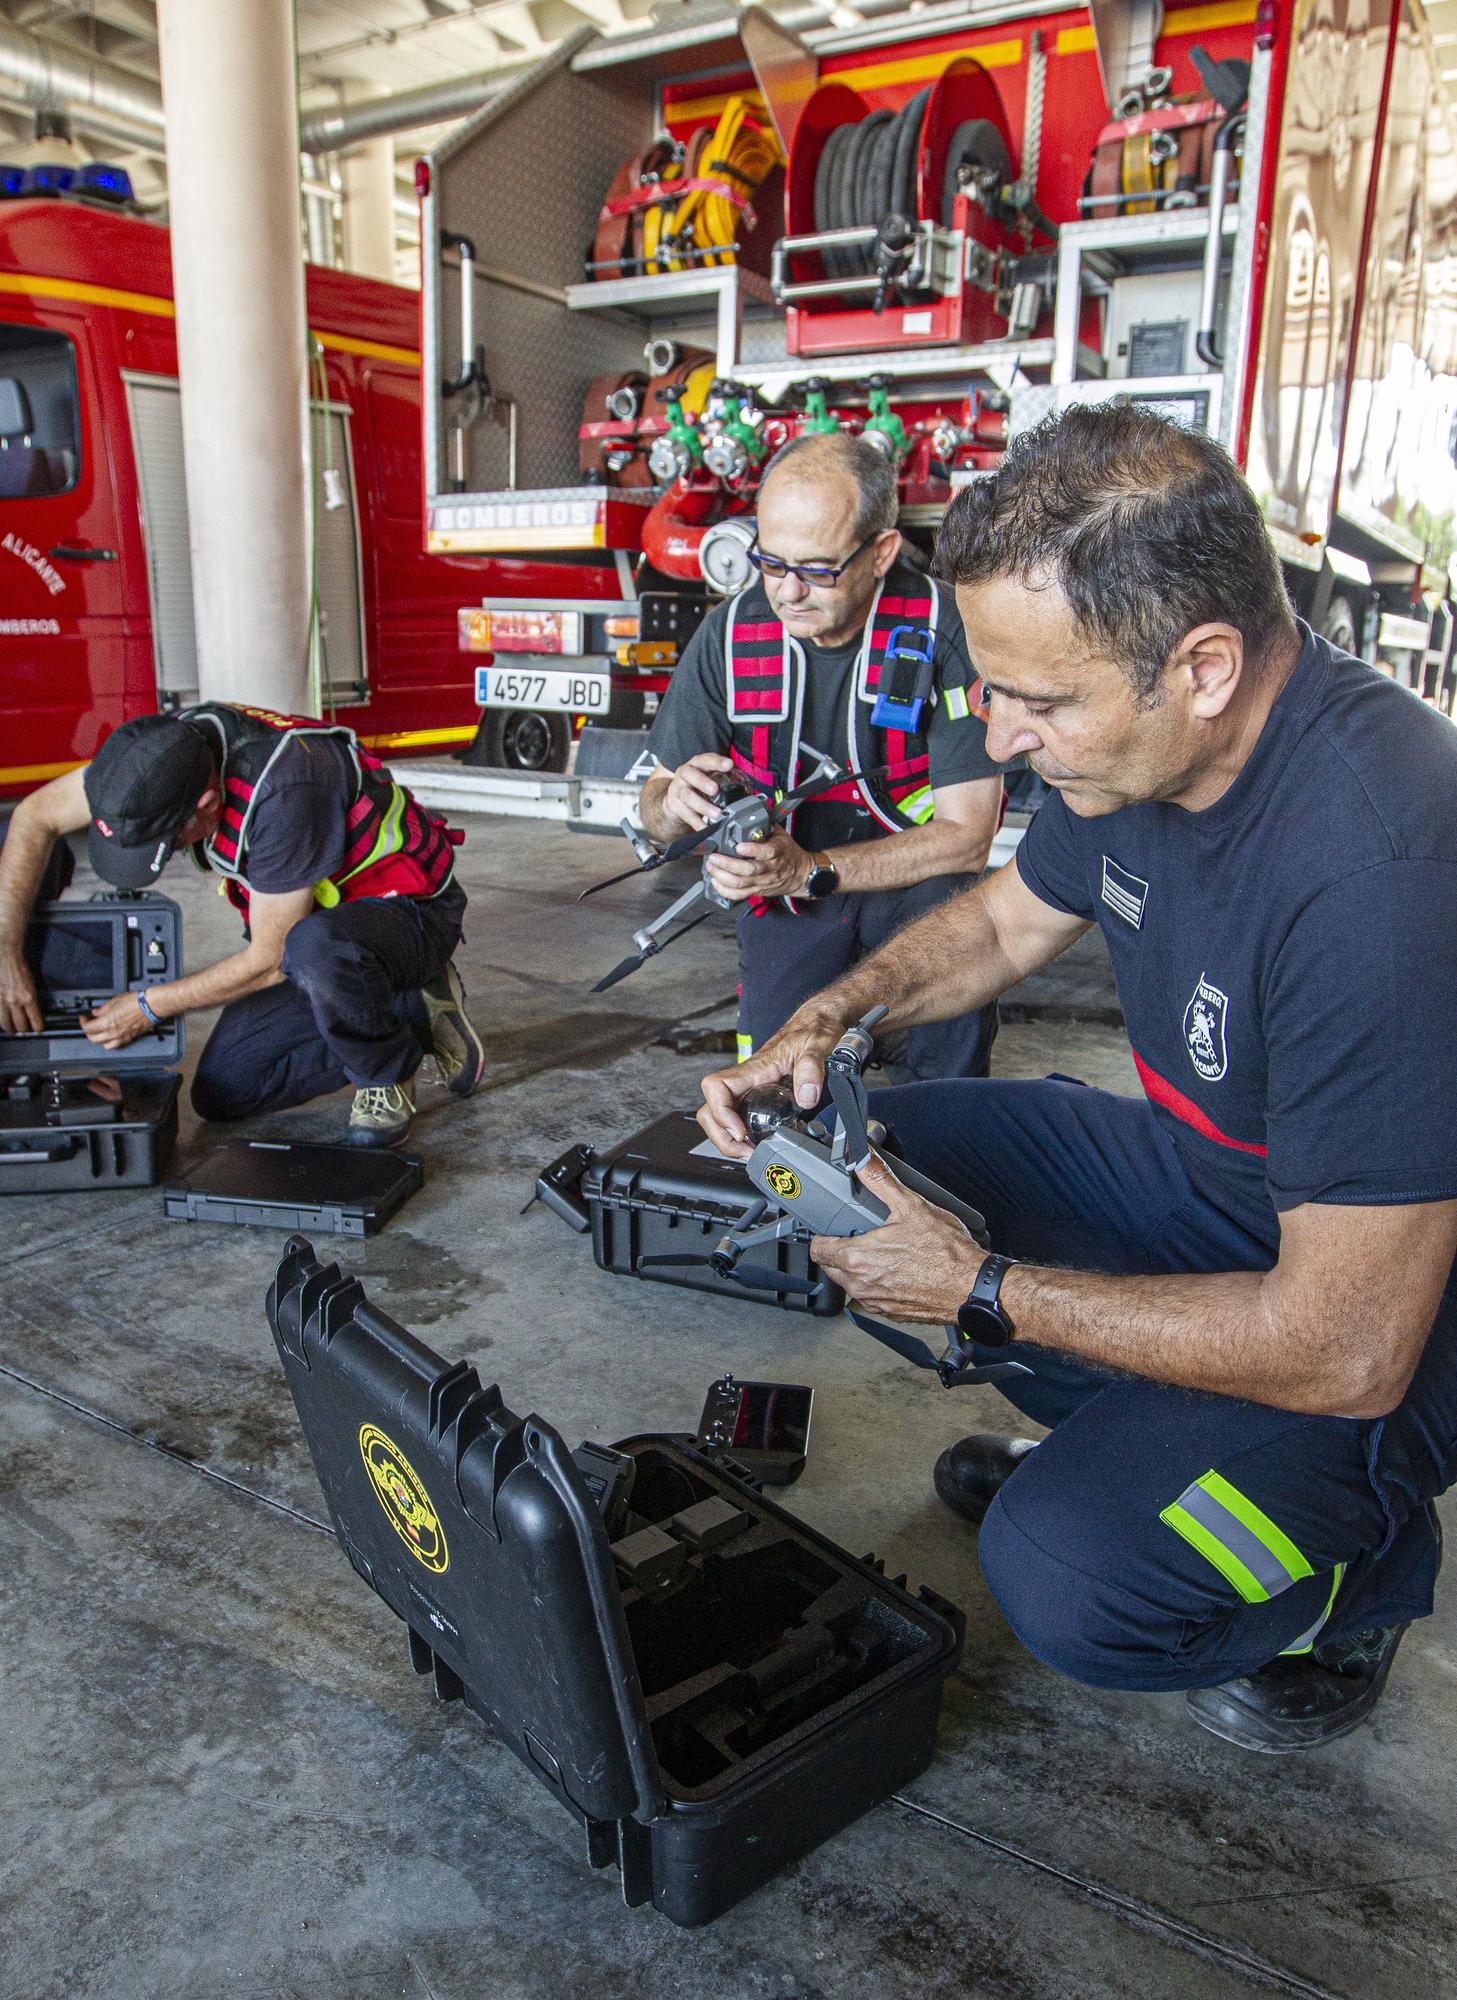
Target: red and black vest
[[394, 848], [764, 669]]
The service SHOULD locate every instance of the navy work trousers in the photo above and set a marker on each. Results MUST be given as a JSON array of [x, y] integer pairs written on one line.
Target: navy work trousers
[[346, 1012], [787, 956], [1160, 1537]]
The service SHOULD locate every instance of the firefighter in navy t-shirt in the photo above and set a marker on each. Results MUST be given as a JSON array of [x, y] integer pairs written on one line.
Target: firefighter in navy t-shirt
[[799, 662], [1236, 1294]]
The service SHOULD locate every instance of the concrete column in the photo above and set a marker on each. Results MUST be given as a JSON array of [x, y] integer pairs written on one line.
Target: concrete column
[[233, 178], [368, 173]]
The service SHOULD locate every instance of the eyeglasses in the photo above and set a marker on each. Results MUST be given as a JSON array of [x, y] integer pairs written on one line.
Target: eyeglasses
[[826, 575]]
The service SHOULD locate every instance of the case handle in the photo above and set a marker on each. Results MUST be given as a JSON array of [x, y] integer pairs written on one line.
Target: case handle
[[60, 1148]]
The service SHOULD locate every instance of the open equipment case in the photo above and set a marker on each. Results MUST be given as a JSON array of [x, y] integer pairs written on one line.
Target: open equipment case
[[664, 1192], [709, 1686], [73, 1115]]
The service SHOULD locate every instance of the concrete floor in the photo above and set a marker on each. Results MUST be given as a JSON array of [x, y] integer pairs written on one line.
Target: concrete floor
[[218, 1776]]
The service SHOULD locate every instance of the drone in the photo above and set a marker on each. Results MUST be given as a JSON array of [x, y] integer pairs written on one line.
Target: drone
[[746, 817], [806, 1177]]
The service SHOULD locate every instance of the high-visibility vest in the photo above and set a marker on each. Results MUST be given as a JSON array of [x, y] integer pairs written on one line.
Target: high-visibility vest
[[393, 847], [764, 675]]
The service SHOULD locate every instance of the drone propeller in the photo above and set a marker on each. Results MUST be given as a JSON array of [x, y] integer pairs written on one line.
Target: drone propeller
[[825, 779], [753, 1277], [763, 1278], [848, 1095], [621, 970], [639, 958], [627, 875], [674, 851]]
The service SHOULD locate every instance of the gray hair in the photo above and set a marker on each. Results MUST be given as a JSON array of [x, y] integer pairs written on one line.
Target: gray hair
[[828, 454]]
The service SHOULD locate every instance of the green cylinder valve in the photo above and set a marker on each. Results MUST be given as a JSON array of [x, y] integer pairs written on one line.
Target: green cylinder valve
[[816, 408], [882, 427]]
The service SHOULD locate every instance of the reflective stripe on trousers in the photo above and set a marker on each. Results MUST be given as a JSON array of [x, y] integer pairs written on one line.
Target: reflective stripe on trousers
[[1249, 1550]]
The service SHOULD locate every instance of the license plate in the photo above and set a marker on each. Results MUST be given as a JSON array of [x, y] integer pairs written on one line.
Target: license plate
[[571, 694]]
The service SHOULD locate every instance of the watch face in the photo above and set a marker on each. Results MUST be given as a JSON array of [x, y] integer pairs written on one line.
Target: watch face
[[988, 1325], [983, 1317]]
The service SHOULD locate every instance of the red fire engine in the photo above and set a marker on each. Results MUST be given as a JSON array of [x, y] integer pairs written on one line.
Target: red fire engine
[[934, 233], [96, 620]]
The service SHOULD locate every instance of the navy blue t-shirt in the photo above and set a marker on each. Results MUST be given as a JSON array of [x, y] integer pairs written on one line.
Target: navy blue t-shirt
[[299, 833], [1287, 958]]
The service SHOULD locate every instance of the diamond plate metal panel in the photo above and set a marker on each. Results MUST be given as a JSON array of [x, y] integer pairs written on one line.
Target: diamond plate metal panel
[[525, 180], [1031, 402], [544, 357]]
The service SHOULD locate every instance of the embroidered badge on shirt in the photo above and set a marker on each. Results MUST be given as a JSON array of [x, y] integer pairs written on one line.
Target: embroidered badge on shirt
[[1124, 894], [1204, 1019]]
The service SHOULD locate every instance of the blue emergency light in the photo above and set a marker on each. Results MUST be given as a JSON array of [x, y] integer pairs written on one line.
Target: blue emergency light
[[48, 179], [110, 183], [11, 179]]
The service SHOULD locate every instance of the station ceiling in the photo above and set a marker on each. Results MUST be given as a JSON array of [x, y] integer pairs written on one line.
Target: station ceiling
[[348, 50], [351, 50]]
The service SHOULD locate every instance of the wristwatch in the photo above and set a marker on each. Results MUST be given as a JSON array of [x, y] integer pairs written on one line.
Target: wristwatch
[[824, 878], [982, 1316]]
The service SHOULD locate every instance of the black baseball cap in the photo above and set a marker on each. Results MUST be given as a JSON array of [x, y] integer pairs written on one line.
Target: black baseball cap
[[143, 786]]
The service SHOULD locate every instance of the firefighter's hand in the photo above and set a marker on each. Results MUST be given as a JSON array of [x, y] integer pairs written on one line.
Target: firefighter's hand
[[918, 1266], [778, 866], [689, 797], [20, 1012], [120, 1021], [798, 1052]]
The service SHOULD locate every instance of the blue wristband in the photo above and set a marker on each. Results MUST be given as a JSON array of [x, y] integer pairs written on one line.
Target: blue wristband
[[145, 1006]]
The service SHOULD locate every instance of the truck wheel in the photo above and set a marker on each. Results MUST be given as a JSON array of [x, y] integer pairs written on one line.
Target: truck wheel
[[1339, 624], [521, 739]]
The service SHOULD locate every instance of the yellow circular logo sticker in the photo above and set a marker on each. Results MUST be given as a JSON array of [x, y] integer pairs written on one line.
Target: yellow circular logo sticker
[[784, 1181], [403, 1498]]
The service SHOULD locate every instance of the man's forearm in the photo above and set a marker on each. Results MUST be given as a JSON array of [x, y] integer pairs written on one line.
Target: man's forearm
[[1221, 1332], [23, 858], [915, 855], [215, 985], [947, 963], [1235, 1333]]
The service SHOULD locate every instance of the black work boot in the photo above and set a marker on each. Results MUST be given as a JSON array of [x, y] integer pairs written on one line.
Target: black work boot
[[1304, 1701], [970, 1472]]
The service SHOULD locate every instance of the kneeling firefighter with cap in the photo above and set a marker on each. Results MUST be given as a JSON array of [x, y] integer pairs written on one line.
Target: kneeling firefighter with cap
[[346, 888]]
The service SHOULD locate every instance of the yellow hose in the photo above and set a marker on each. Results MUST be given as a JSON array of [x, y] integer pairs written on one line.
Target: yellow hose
[[741, 153], [696, 386]]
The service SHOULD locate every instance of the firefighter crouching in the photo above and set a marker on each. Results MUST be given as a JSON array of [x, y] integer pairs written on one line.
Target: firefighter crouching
[[346, 889], [840, 646]]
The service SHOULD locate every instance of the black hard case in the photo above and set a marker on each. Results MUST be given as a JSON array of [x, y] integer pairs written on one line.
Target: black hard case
[[52, 1139], [653, 1196], [263, 1184], [706, 1732]]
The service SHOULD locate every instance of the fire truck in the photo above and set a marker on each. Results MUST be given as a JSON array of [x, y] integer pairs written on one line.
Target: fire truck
[[934, 228], [96, 616]]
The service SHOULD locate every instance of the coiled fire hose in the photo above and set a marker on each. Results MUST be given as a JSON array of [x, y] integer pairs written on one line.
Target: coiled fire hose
[[675, 208], [869, 170], [739, 157]]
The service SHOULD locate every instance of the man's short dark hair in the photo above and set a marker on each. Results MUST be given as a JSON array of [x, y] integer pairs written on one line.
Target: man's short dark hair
[[871, 472], [1146, 528]]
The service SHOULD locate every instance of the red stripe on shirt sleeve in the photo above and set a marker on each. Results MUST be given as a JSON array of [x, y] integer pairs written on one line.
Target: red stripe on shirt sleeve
[[1163, 1093]]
